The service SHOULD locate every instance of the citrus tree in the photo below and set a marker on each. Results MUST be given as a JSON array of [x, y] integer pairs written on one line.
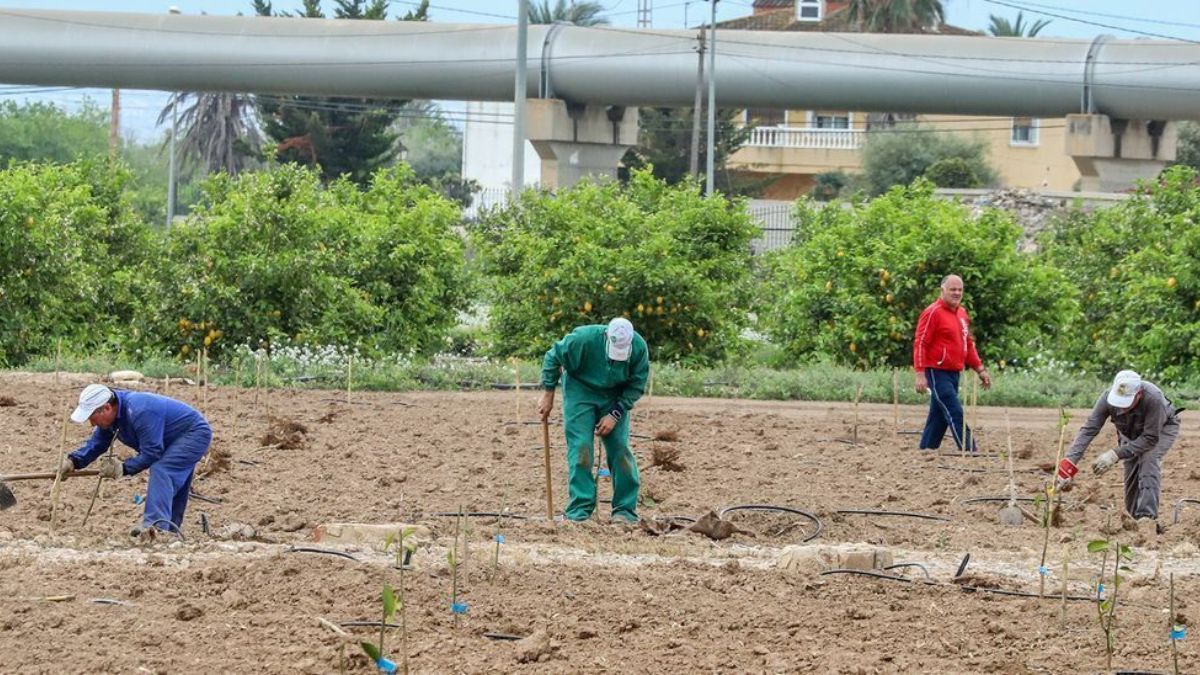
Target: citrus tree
[[1137, 268], [71, 258], [676, 263], [276, 257], [856, 278]]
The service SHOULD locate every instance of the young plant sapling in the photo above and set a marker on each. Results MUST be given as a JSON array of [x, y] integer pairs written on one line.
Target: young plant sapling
[[1106, 607]]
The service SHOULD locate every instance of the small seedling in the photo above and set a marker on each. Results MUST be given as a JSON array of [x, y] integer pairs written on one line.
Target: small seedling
[[1049, 512], [1106, 607], [377, 652], [1178, 632], [452, 559], [499, 540]]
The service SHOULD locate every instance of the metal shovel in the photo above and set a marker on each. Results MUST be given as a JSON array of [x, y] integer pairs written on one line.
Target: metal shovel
[[8, 499]]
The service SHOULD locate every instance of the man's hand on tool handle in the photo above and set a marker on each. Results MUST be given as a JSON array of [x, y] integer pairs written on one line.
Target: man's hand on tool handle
[[110, 467], [606, 425], [65, 467], [546, 404]]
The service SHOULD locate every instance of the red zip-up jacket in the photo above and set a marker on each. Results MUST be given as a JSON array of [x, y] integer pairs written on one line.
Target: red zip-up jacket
[[943, 339]]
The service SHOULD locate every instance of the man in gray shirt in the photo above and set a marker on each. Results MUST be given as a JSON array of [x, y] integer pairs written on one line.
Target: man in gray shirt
[[1147, 426]]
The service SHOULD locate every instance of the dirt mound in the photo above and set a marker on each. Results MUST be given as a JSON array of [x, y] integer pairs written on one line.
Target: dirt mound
[[7, 401], [217, 461], [666, 458], [285, 434]]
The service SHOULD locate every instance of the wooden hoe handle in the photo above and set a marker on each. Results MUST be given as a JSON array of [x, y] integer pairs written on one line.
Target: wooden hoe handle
[[48, 475], [549, 489]]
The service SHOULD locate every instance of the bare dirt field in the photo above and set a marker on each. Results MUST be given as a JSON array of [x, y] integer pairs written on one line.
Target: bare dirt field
[[595, 597]]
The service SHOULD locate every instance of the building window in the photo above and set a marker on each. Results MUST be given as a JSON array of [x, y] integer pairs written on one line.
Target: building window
[[1024, 131], [809, 10], [829, 119], [765, 117]]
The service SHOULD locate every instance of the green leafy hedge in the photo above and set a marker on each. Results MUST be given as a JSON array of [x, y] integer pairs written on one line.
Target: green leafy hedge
[[275, 257], [71, 257], [1137, 267], [856, 278], [674, 262]]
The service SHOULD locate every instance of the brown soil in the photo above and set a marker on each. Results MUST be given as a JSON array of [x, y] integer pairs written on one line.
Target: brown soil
[[589, 597]]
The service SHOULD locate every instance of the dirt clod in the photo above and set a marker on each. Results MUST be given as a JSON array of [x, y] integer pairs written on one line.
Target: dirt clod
[[188, 612], [534, 647], [7, 401], [711, 526], [285, 434]]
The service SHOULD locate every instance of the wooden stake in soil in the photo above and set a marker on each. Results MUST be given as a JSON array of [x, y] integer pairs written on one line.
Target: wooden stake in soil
[[1176, 629], [896, 399], [257, 378], [549, 487], [1050, 491], [349, 372], [1066, 564], [55, 489], [204, 358], [974, 411], [854, 431], [517, 388], [57, 360]]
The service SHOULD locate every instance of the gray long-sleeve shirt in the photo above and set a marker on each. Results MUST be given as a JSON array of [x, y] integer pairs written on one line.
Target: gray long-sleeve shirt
[[1139, 428]]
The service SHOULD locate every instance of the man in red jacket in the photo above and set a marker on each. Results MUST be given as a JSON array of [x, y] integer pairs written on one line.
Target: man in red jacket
[[942, 347]]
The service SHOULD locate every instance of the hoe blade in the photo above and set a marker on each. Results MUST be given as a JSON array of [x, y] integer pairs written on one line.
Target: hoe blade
[[7, 498]]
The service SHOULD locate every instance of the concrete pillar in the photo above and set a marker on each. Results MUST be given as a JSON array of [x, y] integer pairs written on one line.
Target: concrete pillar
[[578, 141], [1113, 153]]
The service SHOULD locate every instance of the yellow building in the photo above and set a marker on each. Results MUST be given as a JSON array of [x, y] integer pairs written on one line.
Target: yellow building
[[793, 146]]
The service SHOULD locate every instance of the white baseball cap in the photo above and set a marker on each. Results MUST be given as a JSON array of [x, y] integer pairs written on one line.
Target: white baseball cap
[[619, 338], [1125, 386], [91, 399]]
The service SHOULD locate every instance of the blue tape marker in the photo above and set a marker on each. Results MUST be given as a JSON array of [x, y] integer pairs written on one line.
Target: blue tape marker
[[1100, 591], [1043, 570], [458, 607], [499, 539], [138, 499], [604, 473], [1178, 633], [386, 666]]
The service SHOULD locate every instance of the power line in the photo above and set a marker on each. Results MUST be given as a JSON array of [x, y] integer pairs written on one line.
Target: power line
[[1085, 21], [1114, 16]]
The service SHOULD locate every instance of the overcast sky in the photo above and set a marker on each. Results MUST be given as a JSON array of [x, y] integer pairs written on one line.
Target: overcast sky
[[1155, 19]]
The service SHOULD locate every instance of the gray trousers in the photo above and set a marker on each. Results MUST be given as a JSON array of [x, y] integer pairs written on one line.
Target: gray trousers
[[1143, 475]]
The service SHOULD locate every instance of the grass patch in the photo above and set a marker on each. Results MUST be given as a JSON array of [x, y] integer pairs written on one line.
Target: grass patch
[[326, 369]]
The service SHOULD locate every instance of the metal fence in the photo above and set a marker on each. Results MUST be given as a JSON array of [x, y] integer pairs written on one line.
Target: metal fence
[[777, 222]]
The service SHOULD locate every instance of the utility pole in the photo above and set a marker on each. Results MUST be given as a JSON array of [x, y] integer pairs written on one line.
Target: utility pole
[[171, 157], [712, 99], [644, 13], [518, 167], [697, 107], [114, 131]]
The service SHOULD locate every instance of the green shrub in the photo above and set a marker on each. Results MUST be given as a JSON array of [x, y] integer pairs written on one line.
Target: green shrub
[[827, 185], [853, 283], [1137, 268], [674, 262], [71, 251], [274, 257], [899, 157], [953, 172]]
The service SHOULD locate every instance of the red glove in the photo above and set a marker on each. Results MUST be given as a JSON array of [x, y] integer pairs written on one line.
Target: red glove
[[1066, 473]]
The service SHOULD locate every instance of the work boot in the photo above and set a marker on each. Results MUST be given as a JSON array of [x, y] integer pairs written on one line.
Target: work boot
[[1147, 528], [144, 535]]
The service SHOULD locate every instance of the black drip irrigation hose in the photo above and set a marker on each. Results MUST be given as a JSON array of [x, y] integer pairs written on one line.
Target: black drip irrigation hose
[[367, 624], [970, 455], [878, 512], [477, 514], [325, 551], [503, 636], [1179, 507], [210, 500], [963, 587], [917, 565], [509, 386], [769, 508], [983, 500], [966, 469]]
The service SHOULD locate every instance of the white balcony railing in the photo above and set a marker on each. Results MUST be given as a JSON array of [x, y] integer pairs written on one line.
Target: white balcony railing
[[801, 137]]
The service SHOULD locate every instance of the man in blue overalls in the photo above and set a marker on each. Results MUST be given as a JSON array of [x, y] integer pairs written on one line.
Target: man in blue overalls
[[169, 436]]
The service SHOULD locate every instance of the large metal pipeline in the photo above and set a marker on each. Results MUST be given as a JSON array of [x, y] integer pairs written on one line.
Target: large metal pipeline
[[875, 72]]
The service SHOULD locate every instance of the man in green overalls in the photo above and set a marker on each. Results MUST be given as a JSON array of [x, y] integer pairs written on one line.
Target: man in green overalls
[[605, 370]]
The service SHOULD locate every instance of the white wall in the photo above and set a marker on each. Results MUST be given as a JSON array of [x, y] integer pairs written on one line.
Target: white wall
[[487, 147]]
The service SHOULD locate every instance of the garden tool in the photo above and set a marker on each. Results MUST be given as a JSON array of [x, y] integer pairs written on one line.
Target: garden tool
[[1011, 515], [546, 454], [8, 499]]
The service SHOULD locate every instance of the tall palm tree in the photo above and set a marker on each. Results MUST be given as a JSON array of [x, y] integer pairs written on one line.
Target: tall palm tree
[[220, 130], [1002, 28], [892, 16], [578, 13]]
